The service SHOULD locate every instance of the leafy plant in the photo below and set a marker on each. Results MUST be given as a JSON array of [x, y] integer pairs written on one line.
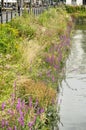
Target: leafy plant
[[8, 37]]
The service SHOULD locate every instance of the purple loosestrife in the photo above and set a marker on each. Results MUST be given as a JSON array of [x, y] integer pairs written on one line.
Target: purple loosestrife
[[56, 67], [18, 106], [9, 128], [15, 128], [3, 123], [53, 78], [3, 105], [21, 120], [40, 111], [6, 123], [48, 59], [32, 123], [23, 104], [11, 112]]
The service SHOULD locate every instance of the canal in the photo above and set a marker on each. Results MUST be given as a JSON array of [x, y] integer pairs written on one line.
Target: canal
[[73, 91]]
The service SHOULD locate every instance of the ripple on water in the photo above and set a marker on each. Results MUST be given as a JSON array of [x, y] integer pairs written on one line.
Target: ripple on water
[[73, 91]]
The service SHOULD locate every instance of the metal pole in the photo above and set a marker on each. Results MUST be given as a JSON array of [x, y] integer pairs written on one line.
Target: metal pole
[[30, 5], [2, 3], [1, 11]]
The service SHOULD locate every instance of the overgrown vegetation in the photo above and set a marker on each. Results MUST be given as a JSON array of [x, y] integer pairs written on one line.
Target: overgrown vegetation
[[77, 11], [33, 52]]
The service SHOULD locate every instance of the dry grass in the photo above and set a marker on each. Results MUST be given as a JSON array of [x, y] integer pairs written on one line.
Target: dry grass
[[37, 90]]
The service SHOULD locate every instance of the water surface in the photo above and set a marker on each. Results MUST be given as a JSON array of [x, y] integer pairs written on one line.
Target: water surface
[[73, 91]]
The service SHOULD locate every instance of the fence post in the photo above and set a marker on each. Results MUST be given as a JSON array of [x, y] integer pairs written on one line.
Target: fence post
[[11, 14], [6, 16], [1, 14], [18, 9], [1, 17]]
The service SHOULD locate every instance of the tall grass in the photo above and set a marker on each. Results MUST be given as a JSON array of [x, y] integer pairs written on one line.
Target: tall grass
[[32, 58]]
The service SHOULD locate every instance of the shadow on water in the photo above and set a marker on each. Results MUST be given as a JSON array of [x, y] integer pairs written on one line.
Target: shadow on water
[[73, 91]]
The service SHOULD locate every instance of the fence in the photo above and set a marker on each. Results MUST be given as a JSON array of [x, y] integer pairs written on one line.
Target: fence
[[6, 16]]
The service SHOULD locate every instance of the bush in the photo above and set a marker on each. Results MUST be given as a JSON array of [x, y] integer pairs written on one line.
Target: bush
[[75, 9], [23, 26], [17, 115], [8, 37]]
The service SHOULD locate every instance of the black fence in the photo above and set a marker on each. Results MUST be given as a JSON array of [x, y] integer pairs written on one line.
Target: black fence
[[7, 15]]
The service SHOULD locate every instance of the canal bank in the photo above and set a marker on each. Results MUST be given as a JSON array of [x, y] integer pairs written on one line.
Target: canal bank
[[73, 91], [32, 57]]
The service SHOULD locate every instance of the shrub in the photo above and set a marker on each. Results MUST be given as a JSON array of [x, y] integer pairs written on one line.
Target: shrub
[[17, 115], [8, 37], [23, 26]]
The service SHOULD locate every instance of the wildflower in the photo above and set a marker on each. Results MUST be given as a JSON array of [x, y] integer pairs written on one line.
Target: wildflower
[[9, 128], [18, 106], [11, 112], [21, 120], [23, 104], [3, 105], [15, 128], [3, 123], [40, 111], [53, 78], [6, 123], [30, 124]]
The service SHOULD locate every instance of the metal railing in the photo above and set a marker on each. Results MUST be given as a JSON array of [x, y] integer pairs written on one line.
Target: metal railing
[[8, 15]]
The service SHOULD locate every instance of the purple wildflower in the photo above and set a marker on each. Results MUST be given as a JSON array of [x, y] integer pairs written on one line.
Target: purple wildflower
[[18, 106], [53, 78], [3, 105], [11, 112], [30, 124], [9, 128], [3, 123], [40, 111], [6, 123], [21, 120], [23, 104], [15, 128]]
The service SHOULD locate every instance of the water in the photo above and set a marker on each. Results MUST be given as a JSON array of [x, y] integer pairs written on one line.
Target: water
[[73, 91]]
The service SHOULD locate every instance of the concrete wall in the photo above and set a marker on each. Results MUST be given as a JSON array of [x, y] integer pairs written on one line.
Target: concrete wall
[[68, 2], [9, 1], [78, 2]]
